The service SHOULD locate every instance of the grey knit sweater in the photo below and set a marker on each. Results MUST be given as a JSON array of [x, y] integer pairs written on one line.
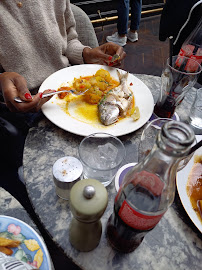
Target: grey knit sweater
[[37, 39]]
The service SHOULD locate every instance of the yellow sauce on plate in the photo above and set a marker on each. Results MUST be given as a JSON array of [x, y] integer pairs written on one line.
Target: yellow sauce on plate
[[82, 107], [194, 185]]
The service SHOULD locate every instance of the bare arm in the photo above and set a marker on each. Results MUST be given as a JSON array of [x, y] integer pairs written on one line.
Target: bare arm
[[14, 85]]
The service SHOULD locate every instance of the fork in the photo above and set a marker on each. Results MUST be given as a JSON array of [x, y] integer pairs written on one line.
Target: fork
[[19, 100]]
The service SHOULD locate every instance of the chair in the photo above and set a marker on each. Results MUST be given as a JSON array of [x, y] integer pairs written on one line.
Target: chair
[[84, 28]]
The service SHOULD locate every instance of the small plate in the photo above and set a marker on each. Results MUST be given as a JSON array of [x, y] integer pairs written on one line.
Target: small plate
[[174, 117], [16, 229]]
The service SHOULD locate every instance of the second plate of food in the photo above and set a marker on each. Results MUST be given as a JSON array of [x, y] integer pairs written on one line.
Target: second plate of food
[[70, 120], [189, 182], [29, 246]]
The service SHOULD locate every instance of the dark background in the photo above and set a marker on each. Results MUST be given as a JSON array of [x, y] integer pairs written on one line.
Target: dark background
[[107, 8]]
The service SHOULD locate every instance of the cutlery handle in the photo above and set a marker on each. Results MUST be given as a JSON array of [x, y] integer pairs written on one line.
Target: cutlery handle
[[57, 92], [19, 100]]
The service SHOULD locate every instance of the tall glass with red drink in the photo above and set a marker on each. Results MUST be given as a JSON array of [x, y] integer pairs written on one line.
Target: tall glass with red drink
[[176, 80]]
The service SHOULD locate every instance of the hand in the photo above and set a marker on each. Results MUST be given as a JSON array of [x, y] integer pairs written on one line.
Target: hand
[[14, 85], [103, 54]]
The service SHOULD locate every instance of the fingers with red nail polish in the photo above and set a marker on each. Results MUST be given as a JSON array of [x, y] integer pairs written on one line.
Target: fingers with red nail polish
[[113, 60], [28, 96]]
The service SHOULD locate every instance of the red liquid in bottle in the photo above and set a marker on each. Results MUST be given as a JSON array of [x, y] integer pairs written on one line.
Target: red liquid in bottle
[[122, 236]]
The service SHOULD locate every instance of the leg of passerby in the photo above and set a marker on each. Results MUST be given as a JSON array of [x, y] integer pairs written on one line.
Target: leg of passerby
[[120, 37], [136, 7]]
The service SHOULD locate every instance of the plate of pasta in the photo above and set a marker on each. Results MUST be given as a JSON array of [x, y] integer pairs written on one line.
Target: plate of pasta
[[19, 240], [78, 115]]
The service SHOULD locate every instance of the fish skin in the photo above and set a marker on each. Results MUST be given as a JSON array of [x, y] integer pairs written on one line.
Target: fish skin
[[116, 102]]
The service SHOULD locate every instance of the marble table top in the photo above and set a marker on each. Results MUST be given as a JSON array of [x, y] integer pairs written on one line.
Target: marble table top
[[9, 206], [175, 243]]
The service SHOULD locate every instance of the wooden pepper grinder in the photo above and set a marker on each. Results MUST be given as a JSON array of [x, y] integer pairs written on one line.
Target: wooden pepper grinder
[[88, 201]]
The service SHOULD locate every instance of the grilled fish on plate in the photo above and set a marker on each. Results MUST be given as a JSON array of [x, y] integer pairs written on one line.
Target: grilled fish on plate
[[116, 102]]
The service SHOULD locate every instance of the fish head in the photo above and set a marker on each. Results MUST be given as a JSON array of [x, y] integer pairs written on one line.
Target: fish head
[[108, 114]]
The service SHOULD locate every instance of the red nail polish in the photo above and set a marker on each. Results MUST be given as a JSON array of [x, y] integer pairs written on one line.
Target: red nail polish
[[40, 95], [110, 58], [28, 96]]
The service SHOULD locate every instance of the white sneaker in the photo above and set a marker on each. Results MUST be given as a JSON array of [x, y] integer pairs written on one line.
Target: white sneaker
[[132, 36], [121, 41]]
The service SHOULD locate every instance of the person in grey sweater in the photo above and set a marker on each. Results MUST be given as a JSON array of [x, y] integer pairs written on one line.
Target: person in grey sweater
[[37, 38]]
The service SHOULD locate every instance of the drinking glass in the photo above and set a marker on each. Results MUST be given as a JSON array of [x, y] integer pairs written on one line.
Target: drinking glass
[[148, 139], [101, 155], [176, 80], [195, 117]]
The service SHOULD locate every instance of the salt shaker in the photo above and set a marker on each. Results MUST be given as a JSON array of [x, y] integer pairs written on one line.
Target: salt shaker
[[66, 172], [88, 201]]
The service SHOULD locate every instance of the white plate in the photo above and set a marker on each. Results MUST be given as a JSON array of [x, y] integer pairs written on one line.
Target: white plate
[[121, 173], [51, 109], [16, 229], [182, 177]]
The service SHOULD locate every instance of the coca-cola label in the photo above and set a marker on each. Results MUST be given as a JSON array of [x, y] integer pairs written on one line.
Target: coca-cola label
[[148, 180], [136, 219]]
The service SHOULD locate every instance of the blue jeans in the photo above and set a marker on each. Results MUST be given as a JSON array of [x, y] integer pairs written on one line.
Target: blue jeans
[[123, 15]]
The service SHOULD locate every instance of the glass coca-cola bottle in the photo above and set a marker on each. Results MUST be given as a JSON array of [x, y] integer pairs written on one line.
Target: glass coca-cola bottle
[[148, 189]]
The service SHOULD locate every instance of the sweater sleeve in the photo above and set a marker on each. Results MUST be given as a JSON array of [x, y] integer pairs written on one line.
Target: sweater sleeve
[[74, 46]]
